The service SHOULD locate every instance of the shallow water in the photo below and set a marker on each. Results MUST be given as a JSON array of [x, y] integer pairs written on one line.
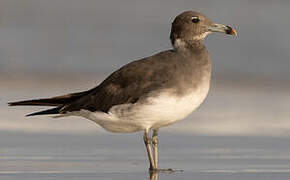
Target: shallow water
[[111, 156]]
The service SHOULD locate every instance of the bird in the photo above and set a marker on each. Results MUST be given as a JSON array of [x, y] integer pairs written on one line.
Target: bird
[[149, 93]]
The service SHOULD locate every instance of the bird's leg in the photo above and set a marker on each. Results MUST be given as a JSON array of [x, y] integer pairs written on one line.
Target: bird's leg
[[155, 155], [147, 141], [155, 147]]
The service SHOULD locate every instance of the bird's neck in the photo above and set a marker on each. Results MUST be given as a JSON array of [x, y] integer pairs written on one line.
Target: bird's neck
[[187, 45]]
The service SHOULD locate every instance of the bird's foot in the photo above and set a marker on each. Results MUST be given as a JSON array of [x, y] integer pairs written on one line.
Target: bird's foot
[[169, 170]]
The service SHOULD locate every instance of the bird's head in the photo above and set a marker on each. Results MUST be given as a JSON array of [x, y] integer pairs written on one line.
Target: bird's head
[[190, 28]]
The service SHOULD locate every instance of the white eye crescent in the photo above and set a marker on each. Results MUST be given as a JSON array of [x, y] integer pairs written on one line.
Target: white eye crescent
[[195, 19]]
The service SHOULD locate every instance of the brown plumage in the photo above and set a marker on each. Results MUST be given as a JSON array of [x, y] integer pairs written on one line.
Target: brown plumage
[[181, 68], [130, 83]]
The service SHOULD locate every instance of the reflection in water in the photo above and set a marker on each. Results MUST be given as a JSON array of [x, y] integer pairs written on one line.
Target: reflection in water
[[154, 175]]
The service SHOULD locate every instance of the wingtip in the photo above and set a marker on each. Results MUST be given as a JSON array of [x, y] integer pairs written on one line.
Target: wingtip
[[28, 115], [10, 103], [14, 103]]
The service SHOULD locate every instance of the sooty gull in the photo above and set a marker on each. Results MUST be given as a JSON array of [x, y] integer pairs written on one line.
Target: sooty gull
[[149, 93]]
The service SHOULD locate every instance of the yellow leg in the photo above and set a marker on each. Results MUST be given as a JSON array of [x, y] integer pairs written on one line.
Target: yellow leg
[[147, 141], [155, 147]]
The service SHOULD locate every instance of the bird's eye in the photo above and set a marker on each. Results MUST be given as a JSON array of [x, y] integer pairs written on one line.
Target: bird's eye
[[195, 19]]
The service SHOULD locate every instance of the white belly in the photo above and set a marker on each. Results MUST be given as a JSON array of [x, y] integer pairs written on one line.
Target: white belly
[[155, 112], [168, 108]]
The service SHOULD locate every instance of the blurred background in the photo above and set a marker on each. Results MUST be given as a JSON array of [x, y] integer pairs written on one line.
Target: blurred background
[[49, 48]]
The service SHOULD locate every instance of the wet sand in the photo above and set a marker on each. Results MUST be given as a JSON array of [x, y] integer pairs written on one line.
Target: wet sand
[[108, 156]]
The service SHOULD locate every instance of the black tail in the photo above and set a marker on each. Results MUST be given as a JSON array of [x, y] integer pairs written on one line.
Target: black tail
[[58, 101], [54, 101], [38, 102], [46, 112]]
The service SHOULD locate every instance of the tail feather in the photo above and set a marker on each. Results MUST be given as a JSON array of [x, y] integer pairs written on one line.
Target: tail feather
[[46, 112], [37, 102], [59, 101], [54, 101]]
